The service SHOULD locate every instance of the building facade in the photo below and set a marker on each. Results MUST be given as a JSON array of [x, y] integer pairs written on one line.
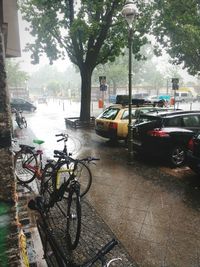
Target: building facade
[[9, 47]]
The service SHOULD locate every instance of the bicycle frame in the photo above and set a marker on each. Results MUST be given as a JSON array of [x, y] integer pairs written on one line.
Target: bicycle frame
[[58, 194], [35, 169]]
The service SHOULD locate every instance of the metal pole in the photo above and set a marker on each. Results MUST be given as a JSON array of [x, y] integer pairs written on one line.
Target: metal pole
[[130, 129]]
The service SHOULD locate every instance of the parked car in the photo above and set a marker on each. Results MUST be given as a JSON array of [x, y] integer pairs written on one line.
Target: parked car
[[184, 96], [22, 104], [113, 122], [166, 134], [193, 154]]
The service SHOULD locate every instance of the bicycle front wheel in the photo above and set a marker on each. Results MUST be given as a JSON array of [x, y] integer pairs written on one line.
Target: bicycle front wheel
[[25, 164], [73, 228], [47, 183], [82, 174], [84, 177]]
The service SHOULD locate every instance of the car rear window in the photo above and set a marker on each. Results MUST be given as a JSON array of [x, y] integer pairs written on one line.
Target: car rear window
[[110, 113]]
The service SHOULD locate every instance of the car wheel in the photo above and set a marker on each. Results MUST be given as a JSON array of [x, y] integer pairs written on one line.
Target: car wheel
[[177, 156]]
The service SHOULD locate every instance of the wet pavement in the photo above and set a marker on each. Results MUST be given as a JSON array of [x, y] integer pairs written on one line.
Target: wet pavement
[[153, 210]]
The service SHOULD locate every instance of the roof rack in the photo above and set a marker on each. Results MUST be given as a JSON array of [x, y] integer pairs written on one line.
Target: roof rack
[[124, 100]]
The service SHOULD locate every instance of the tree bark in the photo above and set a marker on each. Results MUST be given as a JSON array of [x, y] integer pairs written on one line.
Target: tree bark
[[86, 74]]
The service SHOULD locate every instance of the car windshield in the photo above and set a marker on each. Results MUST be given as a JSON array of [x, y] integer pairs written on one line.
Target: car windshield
[[109, 113]]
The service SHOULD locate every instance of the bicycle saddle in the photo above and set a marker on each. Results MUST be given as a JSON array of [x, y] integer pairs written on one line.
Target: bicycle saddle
[[38, 141], [26, 146]]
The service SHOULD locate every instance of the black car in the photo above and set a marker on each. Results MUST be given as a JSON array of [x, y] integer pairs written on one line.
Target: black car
[[166, 134], [22, 104], [193, 154]]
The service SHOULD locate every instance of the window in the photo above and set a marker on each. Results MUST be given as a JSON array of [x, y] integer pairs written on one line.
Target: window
[[174, 122], [184, 94], [191, 121], [125, 115], [110, 113]]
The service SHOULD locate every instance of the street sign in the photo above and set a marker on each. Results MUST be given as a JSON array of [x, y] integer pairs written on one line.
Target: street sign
[[175, 83], [103, 85]]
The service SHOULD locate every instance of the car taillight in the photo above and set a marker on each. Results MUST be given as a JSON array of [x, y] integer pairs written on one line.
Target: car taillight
[[157, 133], [113, 125], [191, 144]]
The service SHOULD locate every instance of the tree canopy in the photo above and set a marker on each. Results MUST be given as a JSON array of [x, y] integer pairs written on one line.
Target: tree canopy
[[177, 28], [15, 76], [89, 32]]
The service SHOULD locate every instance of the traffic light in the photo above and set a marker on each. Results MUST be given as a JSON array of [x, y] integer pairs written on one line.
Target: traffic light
[[175, 83]]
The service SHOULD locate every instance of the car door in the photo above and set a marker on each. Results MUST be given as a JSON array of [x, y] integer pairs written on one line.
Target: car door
[[123, 123]]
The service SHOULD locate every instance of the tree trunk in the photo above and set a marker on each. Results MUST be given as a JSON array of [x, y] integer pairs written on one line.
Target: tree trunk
[[86, 75]]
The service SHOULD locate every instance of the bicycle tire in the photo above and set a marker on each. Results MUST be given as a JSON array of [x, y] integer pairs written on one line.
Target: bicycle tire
[[83, 176], [47, 185], [73, 228], [24, 175]]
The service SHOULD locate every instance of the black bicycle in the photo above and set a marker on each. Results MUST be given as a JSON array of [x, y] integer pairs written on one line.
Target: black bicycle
[[70, 190], [53, 255]]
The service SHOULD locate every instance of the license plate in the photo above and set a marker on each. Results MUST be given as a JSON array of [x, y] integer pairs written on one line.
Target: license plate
[[100, 126]]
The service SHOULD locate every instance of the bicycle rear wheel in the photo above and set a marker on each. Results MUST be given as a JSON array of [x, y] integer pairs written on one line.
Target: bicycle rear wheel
[[47, 185], [24, 122], [73, 228], [25, 162], [82, 173]]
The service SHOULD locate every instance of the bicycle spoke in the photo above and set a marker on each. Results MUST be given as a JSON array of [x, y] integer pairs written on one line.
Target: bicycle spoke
[[73, 220], [25, 166]]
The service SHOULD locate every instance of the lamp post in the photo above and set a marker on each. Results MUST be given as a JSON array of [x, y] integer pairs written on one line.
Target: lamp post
[[129, 13]]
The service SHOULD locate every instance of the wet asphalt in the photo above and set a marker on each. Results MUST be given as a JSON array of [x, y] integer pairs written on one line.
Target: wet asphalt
[[152, 209]]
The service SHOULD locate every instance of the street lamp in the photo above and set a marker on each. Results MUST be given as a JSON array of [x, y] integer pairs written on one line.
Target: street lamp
[[129, 13]]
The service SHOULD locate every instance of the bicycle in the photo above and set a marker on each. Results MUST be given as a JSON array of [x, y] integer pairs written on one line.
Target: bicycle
[[20, 120], [31, 160], [28, 162], [51, 249], [28, 165], [70, 189]]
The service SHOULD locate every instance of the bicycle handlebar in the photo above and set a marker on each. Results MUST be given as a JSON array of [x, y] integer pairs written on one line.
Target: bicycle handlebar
[[102, 252], [61, 154], [61, 139], [64, 137]]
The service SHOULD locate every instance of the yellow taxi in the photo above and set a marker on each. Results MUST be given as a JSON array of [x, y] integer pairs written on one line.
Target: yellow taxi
[[112, 123]]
